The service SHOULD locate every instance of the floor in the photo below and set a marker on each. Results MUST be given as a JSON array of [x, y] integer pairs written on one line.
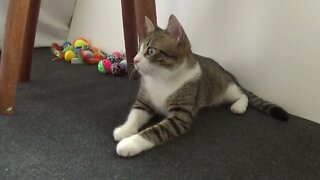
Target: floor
[[65, 116]]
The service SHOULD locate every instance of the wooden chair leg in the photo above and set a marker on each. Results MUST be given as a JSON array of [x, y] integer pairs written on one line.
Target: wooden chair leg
[[130, 33], [133, 12], [12, 52], [144, 8], [31, 28]]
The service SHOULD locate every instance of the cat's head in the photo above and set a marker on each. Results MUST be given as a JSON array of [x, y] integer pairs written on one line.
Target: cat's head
[[163, 50]]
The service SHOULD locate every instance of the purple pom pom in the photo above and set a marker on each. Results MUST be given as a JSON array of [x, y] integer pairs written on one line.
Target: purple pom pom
[[119, 68], [124, 65]]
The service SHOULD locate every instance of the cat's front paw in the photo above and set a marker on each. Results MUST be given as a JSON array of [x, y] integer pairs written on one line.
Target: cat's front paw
[[123, 132], [239, 107], [133, 145]]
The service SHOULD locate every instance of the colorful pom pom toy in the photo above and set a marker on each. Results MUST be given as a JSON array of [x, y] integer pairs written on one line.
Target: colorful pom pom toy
[[81, 52], [80, 42], [113, 65]]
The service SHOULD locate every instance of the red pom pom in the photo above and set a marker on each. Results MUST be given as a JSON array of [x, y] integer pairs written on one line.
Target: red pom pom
[[107, 66], [116, 54]]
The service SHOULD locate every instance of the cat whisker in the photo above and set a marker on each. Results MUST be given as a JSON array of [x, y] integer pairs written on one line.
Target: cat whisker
[[132, 73]]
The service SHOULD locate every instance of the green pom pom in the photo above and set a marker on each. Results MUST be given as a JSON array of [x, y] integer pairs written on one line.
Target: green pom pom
[[69, 48], [80, 59], [101, 68]]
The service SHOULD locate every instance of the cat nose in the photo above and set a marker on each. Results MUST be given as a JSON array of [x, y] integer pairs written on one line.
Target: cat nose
[[136, 61]]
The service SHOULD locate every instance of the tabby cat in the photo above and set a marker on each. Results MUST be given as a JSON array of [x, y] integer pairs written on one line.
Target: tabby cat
[[177, 84]]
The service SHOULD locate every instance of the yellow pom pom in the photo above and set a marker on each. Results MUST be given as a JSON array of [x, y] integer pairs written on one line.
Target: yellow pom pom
[[80, 42], [69, 55]]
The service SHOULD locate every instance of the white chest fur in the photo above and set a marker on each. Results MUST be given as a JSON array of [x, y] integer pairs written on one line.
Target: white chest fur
[[160, 89]]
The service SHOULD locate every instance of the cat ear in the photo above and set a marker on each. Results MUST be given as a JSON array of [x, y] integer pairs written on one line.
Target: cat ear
[[149, 25], [174, 28]]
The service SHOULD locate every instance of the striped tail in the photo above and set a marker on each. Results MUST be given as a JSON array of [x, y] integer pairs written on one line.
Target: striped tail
[[266, 107]]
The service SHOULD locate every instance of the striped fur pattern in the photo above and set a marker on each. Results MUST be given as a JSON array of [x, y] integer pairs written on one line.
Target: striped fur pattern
[[177, 84], [180, 110], [266, 106]]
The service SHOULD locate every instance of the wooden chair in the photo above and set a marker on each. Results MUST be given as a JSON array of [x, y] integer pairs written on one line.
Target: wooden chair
[[19, 36]]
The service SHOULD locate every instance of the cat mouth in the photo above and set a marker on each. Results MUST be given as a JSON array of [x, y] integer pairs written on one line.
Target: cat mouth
[[136, 67], [142, 71]]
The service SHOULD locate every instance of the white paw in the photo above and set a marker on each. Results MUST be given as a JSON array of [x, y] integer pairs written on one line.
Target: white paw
[[133, 145], [123, 132], [240, 106]]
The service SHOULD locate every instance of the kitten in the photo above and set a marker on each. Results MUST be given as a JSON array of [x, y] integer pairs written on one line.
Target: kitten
[[177, 83]]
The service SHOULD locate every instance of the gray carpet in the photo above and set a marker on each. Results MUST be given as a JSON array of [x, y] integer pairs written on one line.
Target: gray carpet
[[65, 116]]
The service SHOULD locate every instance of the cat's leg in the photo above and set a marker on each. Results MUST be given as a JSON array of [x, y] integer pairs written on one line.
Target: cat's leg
[[237, 97], [177, 123], [138, 116], [136, 119]]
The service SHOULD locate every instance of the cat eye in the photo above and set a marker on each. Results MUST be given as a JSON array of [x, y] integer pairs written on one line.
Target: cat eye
[[151, 51]]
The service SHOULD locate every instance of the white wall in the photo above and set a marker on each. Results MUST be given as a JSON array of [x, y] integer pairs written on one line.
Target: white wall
[[272, 46], [100, 21], [54, 21]]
